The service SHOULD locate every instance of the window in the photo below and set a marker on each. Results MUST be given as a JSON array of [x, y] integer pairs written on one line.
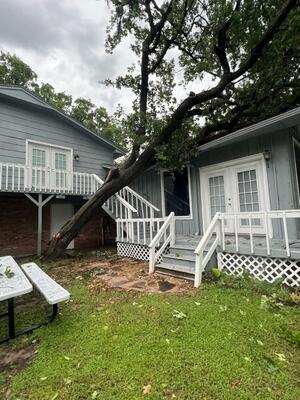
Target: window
[[248, 194], [60, 161], [38, 158], [216, 194], [176, 193]]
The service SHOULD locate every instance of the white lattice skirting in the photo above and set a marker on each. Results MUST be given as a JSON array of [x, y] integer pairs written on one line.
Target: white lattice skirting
[[134, 250], [262, 268]]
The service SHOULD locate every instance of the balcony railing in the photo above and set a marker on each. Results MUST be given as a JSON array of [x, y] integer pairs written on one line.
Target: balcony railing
[[23, 178]]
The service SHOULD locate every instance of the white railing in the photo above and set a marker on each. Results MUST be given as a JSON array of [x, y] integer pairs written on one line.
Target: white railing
[[164, 237], [266, 219], [138, 230], [22, 178], [144, 208], [115, 205], [214, 229], [242, 224]]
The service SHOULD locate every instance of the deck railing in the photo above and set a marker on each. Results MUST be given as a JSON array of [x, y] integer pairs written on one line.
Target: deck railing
[[138, 230], [22, 178], [243, 224]]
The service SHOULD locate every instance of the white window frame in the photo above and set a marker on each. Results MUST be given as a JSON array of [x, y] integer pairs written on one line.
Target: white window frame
[[28, 160], [238, 163], [163, 199], [296, 143]]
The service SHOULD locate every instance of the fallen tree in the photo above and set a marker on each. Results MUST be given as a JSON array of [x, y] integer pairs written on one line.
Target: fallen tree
[[234, 42]]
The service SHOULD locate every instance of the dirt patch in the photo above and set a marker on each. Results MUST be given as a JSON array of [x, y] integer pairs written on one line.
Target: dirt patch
[[13, 361], [118, 273]]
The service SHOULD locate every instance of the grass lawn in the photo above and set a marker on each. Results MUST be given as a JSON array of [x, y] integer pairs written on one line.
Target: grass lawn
[[215, 343]]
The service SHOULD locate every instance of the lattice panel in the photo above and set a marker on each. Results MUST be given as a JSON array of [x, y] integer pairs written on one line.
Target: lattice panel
[[262, 268], [136, 251]]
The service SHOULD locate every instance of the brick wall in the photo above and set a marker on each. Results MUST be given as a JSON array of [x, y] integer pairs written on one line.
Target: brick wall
[[99, 231], [18, 227]]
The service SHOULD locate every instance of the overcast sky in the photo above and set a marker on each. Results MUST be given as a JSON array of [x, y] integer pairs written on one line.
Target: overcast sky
[[63, 42]]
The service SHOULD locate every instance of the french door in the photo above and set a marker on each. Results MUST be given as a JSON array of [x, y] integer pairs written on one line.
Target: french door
[[50, 168], [235, 187]]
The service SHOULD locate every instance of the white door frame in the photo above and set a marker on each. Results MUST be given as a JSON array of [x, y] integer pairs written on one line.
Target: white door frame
[[256, 161], [50, 176]]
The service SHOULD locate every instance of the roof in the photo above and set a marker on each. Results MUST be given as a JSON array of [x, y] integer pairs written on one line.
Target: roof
[[24, 95], [285, 120]]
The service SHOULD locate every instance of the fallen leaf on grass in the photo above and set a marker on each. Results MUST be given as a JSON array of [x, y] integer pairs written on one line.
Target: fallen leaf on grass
[[94, 395], [146, 389], [281, 356], [43, 378], [178, 314]]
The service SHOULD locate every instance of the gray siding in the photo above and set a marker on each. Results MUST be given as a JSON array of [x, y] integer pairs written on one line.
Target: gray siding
[[281, 175], [280, 171], [19, 122]]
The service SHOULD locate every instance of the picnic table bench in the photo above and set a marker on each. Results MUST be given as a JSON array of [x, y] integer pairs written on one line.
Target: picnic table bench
[[16, 281]]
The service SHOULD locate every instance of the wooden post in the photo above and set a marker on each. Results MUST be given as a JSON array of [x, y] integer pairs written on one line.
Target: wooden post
[[40, 204], [40, 224]]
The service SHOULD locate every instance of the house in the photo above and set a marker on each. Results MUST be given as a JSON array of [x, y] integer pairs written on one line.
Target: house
[[235, 206], [49, 166]]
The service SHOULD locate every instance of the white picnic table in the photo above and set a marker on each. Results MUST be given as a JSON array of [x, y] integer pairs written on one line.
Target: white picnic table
[[16, 281], [13, 281]]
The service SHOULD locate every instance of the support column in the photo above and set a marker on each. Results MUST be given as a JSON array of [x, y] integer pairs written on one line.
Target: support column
[[40, 204], [40, 224]]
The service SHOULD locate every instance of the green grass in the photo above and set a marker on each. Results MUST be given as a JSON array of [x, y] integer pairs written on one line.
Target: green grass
[[109, 345]]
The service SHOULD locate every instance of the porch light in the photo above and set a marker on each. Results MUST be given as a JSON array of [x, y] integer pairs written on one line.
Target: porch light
[[76, 157], [267, 156]]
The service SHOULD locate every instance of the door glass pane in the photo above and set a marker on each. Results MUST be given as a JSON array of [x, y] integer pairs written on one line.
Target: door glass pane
[[248, 194], [60, 167], [216, 194], [38, 173]]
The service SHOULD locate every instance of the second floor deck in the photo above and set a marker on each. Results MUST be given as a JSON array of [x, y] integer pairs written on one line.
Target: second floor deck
[[28, 179]]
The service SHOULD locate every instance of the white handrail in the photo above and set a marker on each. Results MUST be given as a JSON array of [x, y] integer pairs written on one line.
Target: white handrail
[[170, 239], [120, 199], [142, 199], [201, 261]]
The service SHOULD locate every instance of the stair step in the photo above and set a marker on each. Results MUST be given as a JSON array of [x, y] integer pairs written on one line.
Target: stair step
[[177, 267], [184, 260], [182, 250]]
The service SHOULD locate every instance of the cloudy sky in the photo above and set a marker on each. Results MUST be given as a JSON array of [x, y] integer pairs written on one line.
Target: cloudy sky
[[63, 42]]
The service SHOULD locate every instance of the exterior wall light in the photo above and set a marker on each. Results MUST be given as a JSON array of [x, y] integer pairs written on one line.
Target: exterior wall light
[[76, 157], [267, 156]]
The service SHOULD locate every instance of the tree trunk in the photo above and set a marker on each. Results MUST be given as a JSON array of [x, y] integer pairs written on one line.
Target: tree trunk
[[69, 231]]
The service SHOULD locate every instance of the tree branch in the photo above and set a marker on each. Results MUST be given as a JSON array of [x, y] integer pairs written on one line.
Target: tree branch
[[220, 48]]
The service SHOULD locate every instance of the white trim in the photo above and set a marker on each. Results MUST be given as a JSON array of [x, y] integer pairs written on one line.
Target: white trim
[[28, 160], [163, 199], [296, 143], [239, 162], [279, 119]]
